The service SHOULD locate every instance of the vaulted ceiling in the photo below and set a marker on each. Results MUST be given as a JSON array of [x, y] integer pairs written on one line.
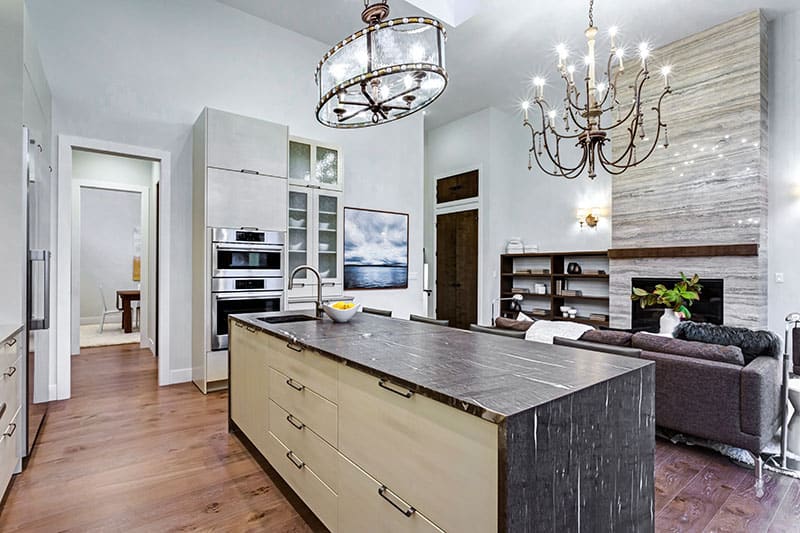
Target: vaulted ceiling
[[492, 56]]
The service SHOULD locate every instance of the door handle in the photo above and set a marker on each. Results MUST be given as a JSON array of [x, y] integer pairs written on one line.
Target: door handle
[[291, 419], [44, 322], [10, 372], [13, 427], [407, 512]]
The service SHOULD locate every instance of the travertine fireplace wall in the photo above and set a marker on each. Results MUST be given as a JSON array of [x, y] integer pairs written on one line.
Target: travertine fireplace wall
[[710, 185]]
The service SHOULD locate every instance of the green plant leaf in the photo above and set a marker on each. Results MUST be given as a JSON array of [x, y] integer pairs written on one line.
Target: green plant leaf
[[640, 292]]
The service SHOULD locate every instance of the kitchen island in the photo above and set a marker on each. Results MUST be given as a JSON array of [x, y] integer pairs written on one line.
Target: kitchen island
[[383, 424]]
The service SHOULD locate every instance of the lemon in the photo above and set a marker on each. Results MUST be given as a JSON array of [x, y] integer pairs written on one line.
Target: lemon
[[342, 306]]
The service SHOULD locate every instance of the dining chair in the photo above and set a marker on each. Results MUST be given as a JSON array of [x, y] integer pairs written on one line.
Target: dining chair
[[373, 311], [425, 319], [106, 310]]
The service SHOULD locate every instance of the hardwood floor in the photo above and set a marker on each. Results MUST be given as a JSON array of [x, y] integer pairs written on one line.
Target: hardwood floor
[[125, 455]]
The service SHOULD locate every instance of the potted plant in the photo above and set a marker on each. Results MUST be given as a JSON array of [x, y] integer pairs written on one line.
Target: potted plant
[[676, 300]]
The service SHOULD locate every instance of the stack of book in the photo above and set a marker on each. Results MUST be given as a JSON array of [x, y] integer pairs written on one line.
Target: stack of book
[[598, 317], [520, 290], [570, 292], [536, 311]]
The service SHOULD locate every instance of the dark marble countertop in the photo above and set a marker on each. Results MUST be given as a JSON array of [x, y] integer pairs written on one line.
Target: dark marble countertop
[[486, 375]]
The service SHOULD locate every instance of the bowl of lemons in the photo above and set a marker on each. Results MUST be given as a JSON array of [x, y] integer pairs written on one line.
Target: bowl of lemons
[[341, 311]]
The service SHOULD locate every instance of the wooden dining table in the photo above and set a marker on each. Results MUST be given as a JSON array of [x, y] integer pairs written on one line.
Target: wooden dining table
[[124, 300]]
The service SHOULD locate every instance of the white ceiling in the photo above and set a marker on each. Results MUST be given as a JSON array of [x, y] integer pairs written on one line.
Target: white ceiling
[[492, 56]]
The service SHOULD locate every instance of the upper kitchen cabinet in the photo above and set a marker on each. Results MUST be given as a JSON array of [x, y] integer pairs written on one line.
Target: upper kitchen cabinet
[[313, 164], [245, 144]]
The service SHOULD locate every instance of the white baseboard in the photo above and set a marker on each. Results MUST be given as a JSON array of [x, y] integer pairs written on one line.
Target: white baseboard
[[182, 375], [89, 320]]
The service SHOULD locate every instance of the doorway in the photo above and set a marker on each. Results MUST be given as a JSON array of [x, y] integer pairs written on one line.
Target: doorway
[[457, 268], [111, 244], [155, 233]]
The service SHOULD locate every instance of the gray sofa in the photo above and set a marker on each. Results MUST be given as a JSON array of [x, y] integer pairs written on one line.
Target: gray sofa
[[719, 400]]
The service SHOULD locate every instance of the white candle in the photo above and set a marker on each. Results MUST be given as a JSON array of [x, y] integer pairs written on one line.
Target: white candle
[[591, 32]]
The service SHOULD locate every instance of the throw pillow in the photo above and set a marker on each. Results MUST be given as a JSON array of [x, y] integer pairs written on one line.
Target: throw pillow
[[753, 343], [522, 317], [509, 323], [612, 337], [697, 350]]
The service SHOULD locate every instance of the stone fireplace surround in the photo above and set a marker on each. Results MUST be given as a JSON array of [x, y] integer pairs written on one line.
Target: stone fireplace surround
[[710, 186]]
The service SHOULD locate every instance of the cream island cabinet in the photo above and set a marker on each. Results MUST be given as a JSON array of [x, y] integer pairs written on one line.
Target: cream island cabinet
[[378, 425]]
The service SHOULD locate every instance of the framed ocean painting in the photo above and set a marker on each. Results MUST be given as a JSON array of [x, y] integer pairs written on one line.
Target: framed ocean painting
[[375, 249]]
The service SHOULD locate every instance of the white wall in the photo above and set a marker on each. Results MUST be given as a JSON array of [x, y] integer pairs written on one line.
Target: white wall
[[784, 167], [108, 219], [140, 72], [517, 202], [98, 167]]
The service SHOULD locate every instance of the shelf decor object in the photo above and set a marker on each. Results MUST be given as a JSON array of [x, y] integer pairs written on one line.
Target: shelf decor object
[[592, 111], [383, 72]]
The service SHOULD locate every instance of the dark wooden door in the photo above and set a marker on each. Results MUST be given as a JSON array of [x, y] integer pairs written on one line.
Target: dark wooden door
[[457, 268]]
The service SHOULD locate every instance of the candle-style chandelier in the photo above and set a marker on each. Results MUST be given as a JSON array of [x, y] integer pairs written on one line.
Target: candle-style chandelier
[[587, 124], [386, 71]]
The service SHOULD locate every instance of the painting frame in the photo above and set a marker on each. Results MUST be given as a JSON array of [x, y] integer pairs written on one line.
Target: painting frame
[[394, 268]]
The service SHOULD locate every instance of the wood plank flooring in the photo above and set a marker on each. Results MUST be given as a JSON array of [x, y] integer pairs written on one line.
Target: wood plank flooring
[[125, 455]]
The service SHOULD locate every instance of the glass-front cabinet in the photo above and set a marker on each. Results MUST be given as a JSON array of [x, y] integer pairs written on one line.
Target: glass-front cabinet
[[316, 238], [314, 164]]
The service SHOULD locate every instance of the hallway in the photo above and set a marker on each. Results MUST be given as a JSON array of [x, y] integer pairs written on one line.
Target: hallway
[[125, 455]]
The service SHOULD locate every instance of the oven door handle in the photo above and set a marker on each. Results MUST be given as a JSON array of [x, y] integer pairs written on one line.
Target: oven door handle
[[248, 247], [247, 295]]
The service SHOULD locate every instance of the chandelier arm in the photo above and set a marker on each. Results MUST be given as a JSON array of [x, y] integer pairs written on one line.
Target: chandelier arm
[[654, 144], [543, 113], [533, 134], [557, 161], [570, 174], [569, 92], [578, 124], [398, 95], [634, 105], [345, 118], [373, 106], [363, 104]]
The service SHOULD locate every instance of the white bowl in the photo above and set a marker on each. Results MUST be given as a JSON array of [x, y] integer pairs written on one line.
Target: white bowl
[[341, 315]]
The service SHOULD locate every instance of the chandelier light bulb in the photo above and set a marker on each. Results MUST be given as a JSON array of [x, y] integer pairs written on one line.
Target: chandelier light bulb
[[552, 116], [563, 54], [525, 105], [408, 81], [538, 81], [601, 88], [612, 33], [571, 71], [666, 70]]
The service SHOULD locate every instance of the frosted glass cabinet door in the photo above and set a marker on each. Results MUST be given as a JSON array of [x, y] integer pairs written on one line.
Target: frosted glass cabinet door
[[326, 170], [329, 232], [299, 227], [300, 162]]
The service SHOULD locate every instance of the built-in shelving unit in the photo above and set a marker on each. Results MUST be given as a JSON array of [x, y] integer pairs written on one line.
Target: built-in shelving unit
[[550, 269]]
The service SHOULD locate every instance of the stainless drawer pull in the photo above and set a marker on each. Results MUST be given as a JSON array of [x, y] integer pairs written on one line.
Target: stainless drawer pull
[[248, 171], [238, 324], [295, 460], [3, 409], [11, 342], [407, 512], [11, 371], [385, 385], [296, 386], [298, 424], [13, 428], [251, 329], [295, 347]]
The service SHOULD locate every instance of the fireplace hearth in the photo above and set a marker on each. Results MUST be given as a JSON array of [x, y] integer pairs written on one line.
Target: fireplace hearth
[[708, 309]]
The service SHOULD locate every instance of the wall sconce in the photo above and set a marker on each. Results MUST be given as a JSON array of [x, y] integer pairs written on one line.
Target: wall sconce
[[589, 217]]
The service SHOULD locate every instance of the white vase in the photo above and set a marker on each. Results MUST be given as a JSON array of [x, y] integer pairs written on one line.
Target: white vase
[[668, 322]]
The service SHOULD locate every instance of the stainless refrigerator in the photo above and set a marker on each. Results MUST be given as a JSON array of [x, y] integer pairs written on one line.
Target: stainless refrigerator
[[38, 176]]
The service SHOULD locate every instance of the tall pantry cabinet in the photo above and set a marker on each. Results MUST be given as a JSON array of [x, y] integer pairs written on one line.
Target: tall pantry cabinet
[[240, 180]]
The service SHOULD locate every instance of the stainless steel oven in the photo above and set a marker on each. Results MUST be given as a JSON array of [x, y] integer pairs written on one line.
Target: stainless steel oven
[[230, 296], [246, 252]]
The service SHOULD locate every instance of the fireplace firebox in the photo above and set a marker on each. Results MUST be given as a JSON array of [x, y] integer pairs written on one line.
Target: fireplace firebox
[[708, 309]]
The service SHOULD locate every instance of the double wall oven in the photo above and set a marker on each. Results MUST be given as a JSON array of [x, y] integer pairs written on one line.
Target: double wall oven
[[246, 276]]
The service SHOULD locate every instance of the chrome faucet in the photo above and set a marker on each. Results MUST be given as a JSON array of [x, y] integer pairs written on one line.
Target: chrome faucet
[[319, 285]]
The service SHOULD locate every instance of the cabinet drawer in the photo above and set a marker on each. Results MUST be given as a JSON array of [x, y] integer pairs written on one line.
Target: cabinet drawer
[[366, 506], [9, 447], [236, 200], [293, 432], [446, 458], [249, 382], [217, 366], [315, 411], [313, 370], [10, 390], [305, 482], [236, 142]]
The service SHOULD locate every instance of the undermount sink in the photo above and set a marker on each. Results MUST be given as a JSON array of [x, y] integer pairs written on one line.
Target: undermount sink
[[283, 319]]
